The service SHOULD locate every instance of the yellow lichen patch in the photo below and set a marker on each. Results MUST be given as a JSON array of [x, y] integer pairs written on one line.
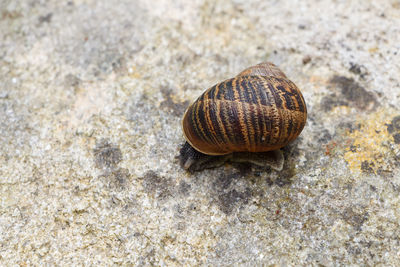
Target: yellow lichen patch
[[373, 49], [134, 73], [369, 150]]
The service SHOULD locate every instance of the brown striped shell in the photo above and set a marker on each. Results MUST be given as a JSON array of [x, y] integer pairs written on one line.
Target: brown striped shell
[[258, 110]]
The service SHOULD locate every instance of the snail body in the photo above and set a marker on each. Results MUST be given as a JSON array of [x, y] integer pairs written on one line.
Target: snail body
[[259, 110]]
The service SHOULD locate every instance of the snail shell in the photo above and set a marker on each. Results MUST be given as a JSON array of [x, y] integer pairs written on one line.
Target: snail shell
[[258, 110]]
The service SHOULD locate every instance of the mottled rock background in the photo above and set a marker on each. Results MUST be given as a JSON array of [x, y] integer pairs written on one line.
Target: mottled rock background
[[91, 97]]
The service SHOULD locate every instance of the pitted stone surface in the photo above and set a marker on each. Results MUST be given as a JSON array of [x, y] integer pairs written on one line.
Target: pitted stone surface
[[91, 98]]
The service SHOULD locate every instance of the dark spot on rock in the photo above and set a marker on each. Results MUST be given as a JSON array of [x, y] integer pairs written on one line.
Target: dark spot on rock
[[227, 201], [45, 18], [171, 105], [354, 218], [355, 250], [269, 181], [112, 62], [178, 209], [394, 126], [184, 188], [227, 198], [358, 69], [306, 60], [79, 211], [347, 125], [390, 128], [353, 148], [106, 155], [181, 226], [354, 93], [224, 60], [382, 172], [366, 166], [160, 187], [330, 101], [149, 258], [224, 181], [324, 136], [257, 173], [72, 82], [117, 178], [396, 138], [355, 68]]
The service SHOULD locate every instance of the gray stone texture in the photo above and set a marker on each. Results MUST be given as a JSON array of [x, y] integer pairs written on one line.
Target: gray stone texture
[[91, 98]]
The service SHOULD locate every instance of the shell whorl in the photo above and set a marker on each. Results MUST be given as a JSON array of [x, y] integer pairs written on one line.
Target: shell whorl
[[263, 69], [258, 110]]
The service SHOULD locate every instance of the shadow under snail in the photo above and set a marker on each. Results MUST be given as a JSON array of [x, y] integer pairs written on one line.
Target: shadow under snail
[[247, 118]]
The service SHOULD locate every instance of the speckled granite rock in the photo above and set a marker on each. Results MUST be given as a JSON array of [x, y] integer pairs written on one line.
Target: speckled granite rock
[[91, 96]]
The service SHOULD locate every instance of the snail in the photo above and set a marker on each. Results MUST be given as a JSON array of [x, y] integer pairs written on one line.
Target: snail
[[247, 118]]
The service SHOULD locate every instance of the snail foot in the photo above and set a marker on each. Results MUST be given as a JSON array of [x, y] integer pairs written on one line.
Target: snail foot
[[193, 160]]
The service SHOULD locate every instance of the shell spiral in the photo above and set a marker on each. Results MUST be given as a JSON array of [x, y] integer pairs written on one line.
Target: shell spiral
[[258, 110]]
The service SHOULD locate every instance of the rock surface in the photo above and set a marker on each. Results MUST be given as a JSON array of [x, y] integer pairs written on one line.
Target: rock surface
[[91, 98]]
